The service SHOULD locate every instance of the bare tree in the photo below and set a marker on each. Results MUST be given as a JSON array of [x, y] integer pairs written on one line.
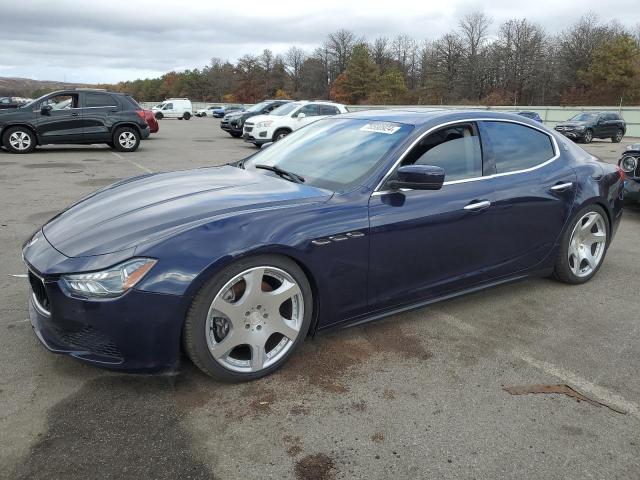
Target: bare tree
[[294, 58], [473, 32], [340, 45], [380, 53]]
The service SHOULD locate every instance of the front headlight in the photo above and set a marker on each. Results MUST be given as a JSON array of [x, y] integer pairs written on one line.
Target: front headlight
[[581, 127], [628, 163], [264, 123], [111, 282]]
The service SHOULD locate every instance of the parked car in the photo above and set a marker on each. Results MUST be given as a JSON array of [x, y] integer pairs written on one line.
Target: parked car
[[81, 116], [532, 115], [630, 164], [283, 120], [347, 220], [8, 102], [150, 118], [233, 122], [179, 108], [203, 112], [586, 126], [222, 111]]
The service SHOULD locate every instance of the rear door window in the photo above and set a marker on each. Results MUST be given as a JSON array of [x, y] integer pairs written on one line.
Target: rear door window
[[516, 147], [328, 110], [99, 100]]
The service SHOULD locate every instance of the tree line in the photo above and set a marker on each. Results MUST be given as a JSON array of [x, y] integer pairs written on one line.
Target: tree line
[[589, 63]]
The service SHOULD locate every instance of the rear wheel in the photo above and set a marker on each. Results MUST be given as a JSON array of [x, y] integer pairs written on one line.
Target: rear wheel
[[583, 247], [19, 140], [249, 319], [587, 136], [186, 115], [617, 138], [126, 139]]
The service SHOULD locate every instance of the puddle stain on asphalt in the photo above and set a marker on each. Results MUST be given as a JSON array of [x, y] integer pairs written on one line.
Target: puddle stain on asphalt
[[114, 427], [98, 182], [315, 467], [52, 165]]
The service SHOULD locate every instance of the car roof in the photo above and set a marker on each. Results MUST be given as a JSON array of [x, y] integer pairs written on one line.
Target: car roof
[[423, 116]]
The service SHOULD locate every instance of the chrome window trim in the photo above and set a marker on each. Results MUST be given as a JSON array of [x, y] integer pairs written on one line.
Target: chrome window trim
[[554, 143]]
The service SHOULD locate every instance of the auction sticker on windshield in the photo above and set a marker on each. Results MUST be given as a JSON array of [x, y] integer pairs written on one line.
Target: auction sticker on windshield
[[381, 127]]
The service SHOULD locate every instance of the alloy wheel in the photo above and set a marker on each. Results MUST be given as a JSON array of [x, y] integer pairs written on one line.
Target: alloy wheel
[[255, 319], [127, 140], [587, 244], [619, 136], [588, 136], [20, 140]]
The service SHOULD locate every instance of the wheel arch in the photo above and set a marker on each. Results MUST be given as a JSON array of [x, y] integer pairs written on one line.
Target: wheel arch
[[118, 125], [23, 125], [280, 129]]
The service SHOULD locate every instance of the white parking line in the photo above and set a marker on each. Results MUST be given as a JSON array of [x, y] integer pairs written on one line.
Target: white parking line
[[135, 164], [584, 386], [18, 275]]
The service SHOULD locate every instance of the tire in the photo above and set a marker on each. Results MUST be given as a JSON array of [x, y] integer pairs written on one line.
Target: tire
[[111, 145], [587, 136], [617, 138], [159, 115], [280, 134], [570, 262], [186, 115], [19, 140], [126, 139], [204, 114], [236, 361]]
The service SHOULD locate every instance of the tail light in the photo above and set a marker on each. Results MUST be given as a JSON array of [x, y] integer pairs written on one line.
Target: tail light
[[141, 114]]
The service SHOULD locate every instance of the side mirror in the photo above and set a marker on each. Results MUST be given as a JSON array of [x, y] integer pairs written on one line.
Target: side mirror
[[45, 109], [301, 116], [265, 145], [418, 177]]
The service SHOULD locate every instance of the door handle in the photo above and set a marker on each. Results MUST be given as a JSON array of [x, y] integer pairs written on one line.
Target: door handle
[[74, 114], [562, 187], [474, 207]]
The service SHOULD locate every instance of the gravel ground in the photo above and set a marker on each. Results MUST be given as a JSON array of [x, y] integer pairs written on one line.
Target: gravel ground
[[417, 395]]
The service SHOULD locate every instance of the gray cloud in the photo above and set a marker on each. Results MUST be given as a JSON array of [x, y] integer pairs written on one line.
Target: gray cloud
[[121, 40]]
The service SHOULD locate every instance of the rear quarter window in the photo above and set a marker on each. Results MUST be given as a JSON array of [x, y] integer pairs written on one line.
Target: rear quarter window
[[517, 147], [99, 100]]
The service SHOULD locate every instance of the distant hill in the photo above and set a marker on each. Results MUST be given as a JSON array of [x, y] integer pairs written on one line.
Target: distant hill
[[26, 87]]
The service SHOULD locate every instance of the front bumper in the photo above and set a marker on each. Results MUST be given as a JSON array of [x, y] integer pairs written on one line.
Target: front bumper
[[574, 134], [257, 136], [230, 128], [631, 190], [137, 331]]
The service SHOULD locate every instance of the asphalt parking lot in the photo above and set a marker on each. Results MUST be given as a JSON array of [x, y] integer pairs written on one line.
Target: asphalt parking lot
[[417, 395]]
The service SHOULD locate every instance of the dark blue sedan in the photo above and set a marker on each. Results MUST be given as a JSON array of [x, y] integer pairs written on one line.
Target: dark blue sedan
[[347, 220]]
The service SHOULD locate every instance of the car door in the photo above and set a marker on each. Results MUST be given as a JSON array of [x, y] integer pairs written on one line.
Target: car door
[[426, 243], [534, 193], [59, 118], [98, 109], [168, 110]]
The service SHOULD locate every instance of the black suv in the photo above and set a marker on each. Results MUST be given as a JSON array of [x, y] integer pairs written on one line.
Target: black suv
[[79, 116], [586, 126], [233, 123]]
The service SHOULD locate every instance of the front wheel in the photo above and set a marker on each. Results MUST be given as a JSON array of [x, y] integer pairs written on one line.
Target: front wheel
[[280, 134], [126, 139], [617, 138], [235, 134], [19, 140], [159, 116], [248, 319], [583, 246], [587, 136]]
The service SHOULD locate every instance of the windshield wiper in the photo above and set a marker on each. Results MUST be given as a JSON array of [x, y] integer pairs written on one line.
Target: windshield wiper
[[294, 177]]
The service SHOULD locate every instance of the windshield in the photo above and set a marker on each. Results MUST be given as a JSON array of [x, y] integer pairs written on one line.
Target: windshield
[[258, 107], [333, 153], [584, 117], [285, 109]]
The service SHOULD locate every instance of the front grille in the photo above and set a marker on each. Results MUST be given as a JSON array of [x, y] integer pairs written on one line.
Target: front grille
[[39, 292], [89, 339], [247, 129]]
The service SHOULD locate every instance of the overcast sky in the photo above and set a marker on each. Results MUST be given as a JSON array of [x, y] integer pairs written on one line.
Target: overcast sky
[[108, 41]]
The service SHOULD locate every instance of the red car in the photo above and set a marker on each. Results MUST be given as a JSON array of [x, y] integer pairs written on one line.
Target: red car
[[151, 120]]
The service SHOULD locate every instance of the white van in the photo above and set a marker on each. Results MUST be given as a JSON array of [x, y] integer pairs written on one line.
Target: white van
[[174, 108]]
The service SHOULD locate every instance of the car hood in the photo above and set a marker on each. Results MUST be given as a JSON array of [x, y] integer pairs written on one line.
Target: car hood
[[573, 124], [148, 208], [259, 118]]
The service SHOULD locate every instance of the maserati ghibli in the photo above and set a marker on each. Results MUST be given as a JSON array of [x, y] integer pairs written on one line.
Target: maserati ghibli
[[350, 219]]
